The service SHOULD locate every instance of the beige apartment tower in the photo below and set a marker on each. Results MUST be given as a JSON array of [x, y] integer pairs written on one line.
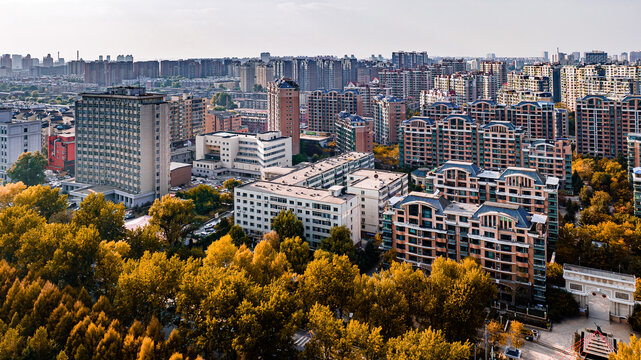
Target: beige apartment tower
[[283, 110]]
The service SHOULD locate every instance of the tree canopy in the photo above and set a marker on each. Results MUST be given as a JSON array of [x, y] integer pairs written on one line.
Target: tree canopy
[[29, 168]]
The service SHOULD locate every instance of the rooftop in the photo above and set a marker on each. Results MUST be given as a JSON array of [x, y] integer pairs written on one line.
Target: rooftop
[[299, 192], [601, 273], [374, 179], [320, 167]]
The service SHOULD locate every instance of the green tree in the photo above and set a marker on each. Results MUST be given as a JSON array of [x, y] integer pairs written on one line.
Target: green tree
[[43, 199], [238, 236], [106, 216], [555, 274], [287, 225], [297, 253], [173, 216], [426, 345], [231, 184], [144, 238], [29, 168], [339, 242], [206, 198], [39, 346]]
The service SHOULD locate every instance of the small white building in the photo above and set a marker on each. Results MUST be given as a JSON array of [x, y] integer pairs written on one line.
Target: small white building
[[16, 137], [606, 295], [240, 154], [375, 188]]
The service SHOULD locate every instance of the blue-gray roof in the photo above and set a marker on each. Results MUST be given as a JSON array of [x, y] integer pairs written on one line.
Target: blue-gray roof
[[464, 117], [507, 124], [421, 173], [515, 212], [491, 102], [469, 168], [531, 173], [429, 121], [438, 203]]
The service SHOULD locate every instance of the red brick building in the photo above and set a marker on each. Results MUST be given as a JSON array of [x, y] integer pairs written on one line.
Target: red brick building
[[62, 152]]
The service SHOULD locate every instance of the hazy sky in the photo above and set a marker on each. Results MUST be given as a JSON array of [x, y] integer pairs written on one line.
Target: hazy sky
[[153, 29]]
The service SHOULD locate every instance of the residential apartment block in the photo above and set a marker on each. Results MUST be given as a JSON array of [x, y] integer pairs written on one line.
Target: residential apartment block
[[612, 81], [243, 154], [602, 124], [509, 242], [283, 110], [324, 105], [122, 146], [494, 146], [465, 182], [354, 133], [186, 117], [257, 203], [62, 152], [389, 112]]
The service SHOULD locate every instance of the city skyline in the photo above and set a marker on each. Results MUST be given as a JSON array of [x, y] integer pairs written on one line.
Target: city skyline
[[307, 28]]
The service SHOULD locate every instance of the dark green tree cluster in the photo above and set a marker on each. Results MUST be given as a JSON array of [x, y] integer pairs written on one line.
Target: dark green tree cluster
[[223, 100], [29, 168]]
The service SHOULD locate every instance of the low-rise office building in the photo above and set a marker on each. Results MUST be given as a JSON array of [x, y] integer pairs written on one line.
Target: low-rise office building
[[243, 154]]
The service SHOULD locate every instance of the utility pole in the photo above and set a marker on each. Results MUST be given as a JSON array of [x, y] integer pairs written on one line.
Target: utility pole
[[485, 335]]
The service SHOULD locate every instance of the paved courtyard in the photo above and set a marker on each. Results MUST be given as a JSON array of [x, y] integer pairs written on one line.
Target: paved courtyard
[[561, 337]]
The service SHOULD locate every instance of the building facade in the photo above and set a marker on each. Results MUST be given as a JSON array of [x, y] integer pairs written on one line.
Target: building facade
[[389, 112], [122, 145], [62, 153], [186, 117], [602, 124], [324, 105], [509, 242], [283, 110], [354, 133], [16, 137], [244, 154]]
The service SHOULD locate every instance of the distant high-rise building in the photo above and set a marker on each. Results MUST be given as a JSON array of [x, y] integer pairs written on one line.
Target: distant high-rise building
[[283, 110], [126, 157], [498, 68], [5, 61], [47, 61], [324, 105], [596, 57], [603, 124], [265, 57], [27, 62], [546, 56], [389, 113], [264, 74], [635, 56], [247, 77], [409, 60], [146, 69], [186, 117], [16, 62]]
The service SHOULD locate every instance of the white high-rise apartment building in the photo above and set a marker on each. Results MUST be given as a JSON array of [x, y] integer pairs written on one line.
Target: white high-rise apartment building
[[16, 137], [122, 145]]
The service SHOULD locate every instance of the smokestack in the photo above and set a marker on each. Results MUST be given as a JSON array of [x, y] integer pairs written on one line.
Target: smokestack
[[77, 54]]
